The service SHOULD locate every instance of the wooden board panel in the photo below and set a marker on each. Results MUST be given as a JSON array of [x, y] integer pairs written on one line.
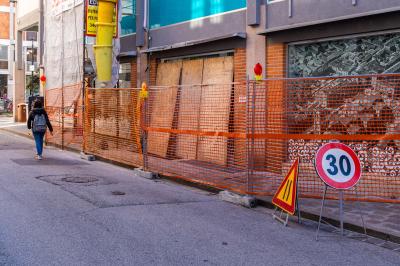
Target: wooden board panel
[[189, 108], [162, 104], [215, 109]]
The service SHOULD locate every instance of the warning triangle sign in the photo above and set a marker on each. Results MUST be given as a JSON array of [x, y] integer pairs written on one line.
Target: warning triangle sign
[[286, 195]]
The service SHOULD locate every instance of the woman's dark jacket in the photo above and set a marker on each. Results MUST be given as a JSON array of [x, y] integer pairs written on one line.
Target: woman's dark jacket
[[38, 111]]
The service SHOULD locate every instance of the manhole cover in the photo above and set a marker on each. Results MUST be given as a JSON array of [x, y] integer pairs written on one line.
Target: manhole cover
[[80, 179], [118, 193]]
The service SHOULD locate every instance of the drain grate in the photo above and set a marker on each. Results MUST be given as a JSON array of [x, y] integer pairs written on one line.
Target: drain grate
[[118, 193], [80, 179], [77, 180]]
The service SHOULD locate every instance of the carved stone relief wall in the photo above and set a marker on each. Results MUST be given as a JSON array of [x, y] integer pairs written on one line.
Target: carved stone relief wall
[[356, 56]]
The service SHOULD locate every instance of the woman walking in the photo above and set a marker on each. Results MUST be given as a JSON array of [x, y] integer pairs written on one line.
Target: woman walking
[[38, 121]]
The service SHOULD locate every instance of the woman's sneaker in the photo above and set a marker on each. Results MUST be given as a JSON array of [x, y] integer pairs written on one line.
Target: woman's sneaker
[[39, 157]]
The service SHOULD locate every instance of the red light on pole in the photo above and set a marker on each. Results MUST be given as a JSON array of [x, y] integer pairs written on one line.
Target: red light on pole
[[258, 72]]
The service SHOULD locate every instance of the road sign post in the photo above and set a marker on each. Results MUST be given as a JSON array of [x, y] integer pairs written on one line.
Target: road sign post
[[339, 168]]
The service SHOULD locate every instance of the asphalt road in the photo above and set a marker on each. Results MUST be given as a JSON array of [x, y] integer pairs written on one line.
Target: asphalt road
[[45, 219]]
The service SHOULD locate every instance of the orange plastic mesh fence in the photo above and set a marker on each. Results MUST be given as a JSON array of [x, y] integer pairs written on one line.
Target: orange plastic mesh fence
[[112, 125], [303, 114], [244, 136], [64, 107], [198, 133]]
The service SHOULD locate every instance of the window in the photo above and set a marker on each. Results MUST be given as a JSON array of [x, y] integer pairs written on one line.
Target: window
[[3, 52], [31, 55], [168, 12], [3, 57], [125, 75], [128, 20], [3, 85]]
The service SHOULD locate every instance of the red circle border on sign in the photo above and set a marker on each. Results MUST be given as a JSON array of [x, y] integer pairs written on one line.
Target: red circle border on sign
[[320, 171]]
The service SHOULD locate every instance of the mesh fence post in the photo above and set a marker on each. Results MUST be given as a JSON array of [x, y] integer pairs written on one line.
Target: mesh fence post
[[62, 113], [247, 130], [144, 117], [253, 131], [85, 118]]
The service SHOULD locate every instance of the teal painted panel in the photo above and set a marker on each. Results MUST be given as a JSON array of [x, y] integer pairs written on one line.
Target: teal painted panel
[[128, 20], [167, 12]]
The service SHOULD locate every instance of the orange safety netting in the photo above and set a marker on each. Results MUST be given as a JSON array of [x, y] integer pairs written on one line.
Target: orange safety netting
[[303, 114], [244, 136], [64, 107], [198, 133], [112, 129]]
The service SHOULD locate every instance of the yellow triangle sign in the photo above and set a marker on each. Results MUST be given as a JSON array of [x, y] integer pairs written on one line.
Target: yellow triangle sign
[[286, 195]]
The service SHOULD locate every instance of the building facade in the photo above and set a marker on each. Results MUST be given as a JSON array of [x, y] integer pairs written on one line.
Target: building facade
[[183, 35], [25, 49], [313, 64], [346, 37], [5, 79]]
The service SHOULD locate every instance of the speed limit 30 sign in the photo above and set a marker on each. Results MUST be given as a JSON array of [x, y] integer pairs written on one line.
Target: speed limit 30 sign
[[338, 166]]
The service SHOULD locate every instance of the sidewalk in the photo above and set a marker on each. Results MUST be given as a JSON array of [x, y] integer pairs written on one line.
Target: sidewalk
[[381, 219], [7, 124]]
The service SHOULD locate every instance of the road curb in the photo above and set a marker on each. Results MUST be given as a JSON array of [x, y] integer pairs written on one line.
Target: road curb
[[348, 226], [25, 135]]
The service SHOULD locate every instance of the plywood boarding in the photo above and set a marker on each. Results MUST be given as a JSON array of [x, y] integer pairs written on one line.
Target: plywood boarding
[[163, 103], [189, 108], [215, 108], [105, 116]]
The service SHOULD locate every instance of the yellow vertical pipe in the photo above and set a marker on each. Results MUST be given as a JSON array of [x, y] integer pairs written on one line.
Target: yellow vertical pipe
[[103, 47]]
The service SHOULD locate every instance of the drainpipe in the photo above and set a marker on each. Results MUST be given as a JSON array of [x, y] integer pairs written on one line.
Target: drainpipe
[[103, 47], [41, 45]]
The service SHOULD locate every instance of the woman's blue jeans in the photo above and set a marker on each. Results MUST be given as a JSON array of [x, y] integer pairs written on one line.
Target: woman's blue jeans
[[39, 142]]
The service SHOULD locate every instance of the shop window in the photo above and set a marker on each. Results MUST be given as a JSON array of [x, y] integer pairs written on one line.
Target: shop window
[[169, 12], [125, 75], [128, 20], [3, 56], [345, 57], [3, 84]]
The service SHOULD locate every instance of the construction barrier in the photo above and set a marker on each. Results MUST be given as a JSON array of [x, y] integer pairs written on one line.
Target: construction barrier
[[244, 136], [64, 107], [112, 125], [198, 133], [303, 114]]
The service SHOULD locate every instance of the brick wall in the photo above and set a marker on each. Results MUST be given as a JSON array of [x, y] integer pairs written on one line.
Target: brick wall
[[276, 94], [134, 73], [153, 71], [276, 60], [239, 65], [4, 24], [238, 156]]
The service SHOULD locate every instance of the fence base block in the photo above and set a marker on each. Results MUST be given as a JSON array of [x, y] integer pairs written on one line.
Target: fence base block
[[88, 157], [145, 174], [244, 200]]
